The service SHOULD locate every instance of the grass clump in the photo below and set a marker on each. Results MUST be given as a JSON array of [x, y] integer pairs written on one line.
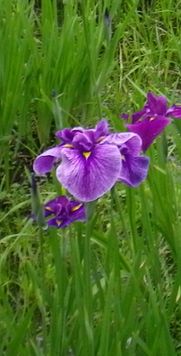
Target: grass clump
[[112, 286]]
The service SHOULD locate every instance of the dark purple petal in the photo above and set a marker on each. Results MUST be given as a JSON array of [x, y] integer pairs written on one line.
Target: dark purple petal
[[44, 162], [138, 115], [89, 176], [56, 205], [134, 170], [55, 222], [130, 139], [59, 223], [135, 116], [174, 111], [77, 211], [149, 129], [157, 104], [124, 116]]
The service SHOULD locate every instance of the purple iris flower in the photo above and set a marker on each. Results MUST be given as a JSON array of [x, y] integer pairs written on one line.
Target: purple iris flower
[[91, 161], [151, 120], [61, 212]]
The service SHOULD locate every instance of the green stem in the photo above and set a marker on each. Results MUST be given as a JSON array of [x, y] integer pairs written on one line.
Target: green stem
[[88, 290], [43, 289]]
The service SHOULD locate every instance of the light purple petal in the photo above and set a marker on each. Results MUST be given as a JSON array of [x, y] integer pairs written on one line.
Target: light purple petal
[[66, 135], [130, 139], [102, 129], [148, 129], [174, 111], [44, 162], [89, 178], [82, 141], [157, 104], [134, 170]]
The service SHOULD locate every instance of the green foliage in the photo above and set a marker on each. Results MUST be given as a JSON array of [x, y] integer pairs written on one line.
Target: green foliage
[[111, 286]]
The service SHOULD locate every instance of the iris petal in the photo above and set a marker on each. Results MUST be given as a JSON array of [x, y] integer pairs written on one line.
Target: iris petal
[[134, 170], [66, 135], [157, 104], [61, 211], [102, 129], [174, 111], [55, 205], [148, 130], [44, 162], [77, 211], [89, 179], [130, 139], [138, 115]]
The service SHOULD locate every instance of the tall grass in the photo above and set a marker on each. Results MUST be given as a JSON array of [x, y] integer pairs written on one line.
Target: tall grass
[[111, 285]]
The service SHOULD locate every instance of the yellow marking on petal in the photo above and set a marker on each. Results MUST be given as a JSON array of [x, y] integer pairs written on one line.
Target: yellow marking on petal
[[48, 208], [68, 145], [86, 154], [100, 139], [59, 222], [75, 208]]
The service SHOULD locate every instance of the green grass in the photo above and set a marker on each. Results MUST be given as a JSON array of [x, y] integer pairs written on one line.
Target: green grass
[[111, 286]]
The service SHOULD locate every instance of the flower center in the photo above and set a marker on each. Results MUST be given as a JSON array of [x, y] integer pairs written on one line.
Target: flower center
[[86, 154]]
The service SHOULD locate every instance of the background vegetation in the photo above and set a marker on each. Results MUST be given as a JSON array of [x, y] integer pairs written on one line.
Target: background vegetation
[[113, 286]]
